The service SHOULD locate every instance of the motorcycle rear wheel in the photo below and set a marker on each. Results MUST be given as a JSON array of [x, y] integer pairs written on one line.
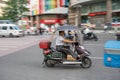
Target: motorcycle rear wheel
[[84, 38], [86, 62]]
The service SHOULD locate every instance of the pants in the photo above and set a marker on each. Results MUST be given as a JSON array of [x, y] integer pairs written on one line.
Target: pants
[[66, 51], [89, 34]]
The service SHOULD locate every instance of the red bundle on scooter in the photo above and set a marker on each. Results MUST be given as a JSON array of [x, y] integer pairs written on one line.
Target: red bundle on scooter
[[44, 44]]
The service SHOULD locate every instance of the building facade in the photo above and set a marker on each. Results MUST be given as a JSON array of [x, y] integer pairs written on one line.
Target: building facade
[[97, 12], [47, 12]]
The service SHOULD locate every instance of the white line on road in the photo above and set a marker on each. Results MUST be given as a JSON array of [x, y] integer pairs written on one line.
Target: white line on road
[[95, 44], [99, 58], [4, 49], [8, 46]]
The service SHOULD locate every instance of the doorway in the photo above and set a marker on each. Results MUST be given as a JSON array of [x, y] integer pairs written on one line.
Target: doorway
[[98, 21]]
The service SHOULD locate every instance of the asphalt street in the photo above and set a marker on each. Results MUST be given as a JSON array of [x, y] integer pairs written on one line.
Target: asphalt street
[[26, 64]]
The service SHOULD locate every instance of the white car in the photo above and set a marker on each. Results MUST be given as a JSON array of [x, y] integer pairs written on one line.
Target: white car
[[10, 30], [32, 30]]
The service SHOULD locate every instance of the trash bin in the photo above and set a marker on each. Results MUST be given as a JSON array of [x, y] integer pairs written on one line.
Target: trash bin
[[112, 54]]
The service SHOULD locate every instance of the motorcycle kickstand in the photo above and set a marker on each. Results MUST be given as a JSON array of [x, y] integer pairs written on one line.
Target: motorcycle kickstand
[[43, 63]]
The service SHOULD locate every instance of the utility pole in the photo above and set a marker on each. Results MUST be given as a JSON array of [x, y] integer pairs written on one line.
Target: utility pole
[[78, 15], [31, 19], [37, 21], [109, 11], [78, 22]]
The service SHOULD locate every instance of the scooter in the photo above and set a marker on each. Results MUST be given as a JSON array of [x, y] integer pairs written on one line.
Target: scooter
[[89, 35], [53, 57]]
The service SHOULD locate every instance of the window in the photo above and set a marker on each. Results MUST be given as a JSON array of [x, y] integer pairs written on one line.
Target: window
[[98, 7], [116, 19], [115, 4], [16, 28], [11, 28], [4, 28], [85, 9]]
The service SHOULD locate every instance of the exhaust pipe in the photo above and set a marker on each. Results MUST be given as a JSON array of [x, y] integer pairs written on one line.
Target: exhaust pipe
[[68, 62]]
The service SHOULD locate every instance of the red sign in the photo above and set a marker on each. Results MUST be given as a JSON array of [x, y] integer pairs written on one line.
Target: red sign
[[50, 21], [92, 14], [97, 13], [116, 24]]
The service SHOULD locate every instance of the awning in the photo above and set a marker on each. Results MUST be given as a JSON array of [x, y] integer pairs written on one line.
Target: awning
[[78, 2], [83, 2], [59, 10]]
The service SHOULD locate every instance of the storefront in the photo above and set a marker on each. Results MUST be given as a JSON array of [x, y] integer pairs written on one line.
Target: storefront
[[51, 19], [99, 12], [94, 13], [116, 20], [50, 24], [48, 13], [97, 18]]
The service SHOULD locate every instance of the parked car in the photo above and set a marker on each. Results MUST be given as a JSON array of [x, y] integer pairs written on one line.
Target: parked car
[[10, 30], [32, 30]]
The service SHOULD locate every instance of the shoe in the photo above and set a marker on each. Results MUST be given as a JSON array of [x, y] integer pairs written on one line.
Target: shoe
[[78, 60]]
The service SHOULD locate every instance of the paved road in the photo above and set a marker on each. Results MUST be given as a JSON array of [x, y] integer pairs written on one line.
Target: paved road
[[10, 45], [26, 65]]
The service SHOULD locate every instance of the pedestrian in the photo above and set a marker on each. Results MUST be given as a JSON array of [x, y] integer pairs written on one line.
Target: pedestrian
[[70, 36], [105, 28]]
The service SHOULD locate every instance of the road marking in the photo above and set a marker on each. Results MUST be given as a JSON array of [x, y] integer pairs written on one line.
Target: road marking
[[4, 49], [6, 46], [95, 44], [99, 58]]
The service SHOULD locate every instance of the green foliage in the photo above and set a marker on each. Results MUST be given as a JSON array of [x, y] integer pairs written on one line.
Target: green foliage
[[14, 9]]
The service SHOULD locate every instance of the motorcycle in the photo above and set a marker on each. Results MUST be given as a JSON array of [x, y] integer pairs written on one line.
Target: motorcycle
[[89, 35], [53, 57]]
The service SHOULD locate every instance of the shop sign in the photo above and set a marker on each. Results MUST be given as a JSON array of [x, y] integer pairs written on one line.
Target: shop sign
[[97, 13], [116, 24], [50, 21]]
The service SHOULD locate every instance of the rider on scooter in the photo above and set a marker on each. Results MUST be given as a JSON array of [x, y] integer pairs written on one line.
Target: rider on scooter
[[88, 31], [60, 42]]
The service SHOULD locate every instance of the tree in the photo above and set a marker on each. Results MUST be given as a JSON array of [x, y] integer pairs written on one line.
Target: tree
[[14, 9]]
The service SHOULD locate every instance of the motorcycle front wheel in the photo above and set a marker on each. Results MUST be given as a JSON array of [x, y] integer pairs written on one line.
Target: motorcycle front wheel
[[86, 62], [95, 37]]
